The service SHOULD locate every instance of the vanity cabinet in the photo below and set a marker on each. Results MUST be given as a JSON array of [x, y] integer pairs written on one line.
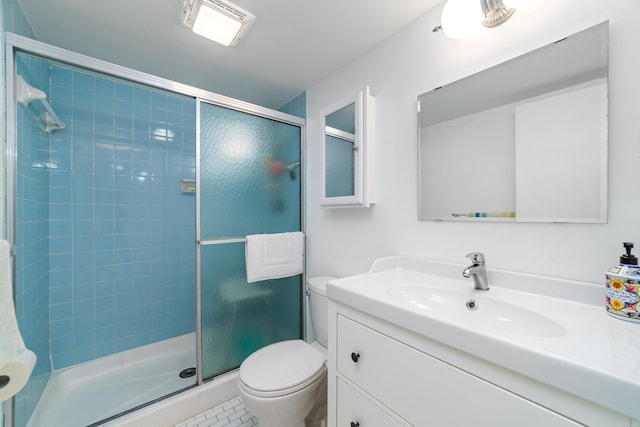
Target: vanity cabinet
[[424, 390], [378, 379], [357, 410]]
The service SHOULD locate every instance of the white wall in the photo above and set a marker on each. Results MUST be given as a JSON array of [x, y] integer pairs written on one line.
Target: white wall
[[415, 60]]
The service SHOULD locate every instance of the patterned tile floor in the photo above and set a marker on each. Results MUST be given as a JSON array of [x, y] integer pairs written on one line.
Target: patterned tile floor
[[227, 414]]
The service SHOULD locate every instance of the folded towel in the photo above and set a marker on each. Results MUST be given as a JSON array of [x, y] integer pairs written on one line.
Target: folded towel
[[273, 256]]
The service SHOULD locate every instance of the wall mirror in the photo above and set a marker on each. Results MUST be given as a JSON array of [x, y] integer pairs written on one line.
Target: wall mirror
[[347, 152], [525, 140]]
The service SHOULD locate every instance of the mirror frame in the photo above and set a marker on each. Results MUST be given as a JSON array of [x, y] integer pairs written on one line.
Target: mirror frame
[[364, 152]]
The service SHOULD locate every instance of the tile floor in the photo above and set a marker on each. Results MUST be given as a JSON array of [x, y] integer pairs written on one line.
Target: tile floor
[[228, 414]]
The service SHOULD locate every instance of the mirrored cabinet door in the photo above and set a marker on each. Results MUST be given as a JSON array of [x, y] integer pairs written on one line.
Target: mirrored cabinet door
[[348, 145], [340, 151]]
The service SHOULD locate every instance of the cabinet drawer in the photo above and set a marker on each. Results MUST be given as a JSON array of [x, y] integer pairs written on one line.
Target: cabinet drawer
[[355, 408], [424, 390]]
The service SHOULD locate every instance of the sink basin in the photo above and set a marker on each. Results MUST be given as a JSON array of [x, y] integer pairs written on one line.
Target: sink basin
[[476, 309]]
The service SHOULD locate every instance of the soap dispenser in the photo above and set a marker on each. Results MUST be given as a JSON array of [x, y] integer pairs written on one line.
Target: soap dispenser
[[623, 281]]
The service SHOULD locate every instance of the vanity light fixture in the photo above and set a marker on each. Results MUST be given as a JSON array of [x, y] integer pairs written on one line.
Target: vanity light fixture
[[216, 20], [463, 18]]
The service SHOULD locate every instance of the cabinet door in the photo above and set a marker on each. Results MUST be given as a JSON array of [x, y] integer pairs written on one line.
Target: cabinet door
[[426, 391], [354, 409]]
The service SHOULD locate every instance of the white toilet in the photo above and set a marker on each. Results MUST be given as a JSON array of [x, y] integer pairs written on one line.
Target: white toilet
[[280, 383]]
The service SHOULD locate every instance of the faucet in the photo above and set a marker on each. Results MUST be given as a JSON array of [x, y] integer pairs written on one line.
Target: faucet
[[477, 270]]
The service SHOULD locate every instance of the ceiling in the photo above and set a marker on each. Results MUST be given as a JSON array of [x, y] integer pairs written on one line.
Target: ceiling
[[292, 45]]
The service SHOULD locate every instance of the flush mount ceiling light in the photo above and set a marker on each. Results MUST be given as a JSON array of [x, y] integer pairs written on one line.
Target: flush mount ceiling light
[[216, 20], [463, 18]]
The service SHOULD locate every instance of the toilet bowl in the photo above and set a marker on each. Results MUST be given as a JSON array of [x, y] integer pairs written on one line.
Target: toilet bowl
[[282, 382]]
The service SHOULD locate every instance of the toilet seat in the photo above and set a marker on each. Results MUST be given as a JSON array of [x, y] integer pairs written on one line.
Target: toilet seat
[[281, 368]]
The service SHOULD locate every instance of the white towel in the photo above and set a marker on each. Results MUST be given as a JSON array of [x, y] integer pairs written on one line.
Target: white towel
[[16, 362], [11, 343], [273, 256]]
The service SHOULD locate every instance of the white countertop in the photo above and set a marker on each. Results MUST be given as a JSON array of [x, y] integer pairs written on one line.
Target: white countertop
[[584, 351]]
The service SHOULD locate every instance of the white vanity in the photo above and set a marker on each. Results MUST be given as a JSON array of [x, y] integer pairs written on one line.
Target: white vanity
[[411, 343]]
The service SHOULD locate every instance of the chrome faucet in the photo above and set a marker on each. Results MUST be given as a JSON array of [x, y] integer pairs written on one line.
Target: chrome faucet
[[477, 270]]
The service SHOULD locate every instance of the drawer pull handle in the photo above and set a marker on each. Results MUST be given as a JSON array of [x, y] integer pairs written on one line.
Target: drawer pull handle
[[355, 424], [355, 356]]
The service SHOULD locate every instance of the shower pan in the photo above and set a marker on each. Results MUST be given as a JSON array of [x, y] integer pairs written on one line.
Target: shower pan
[[129, 197]]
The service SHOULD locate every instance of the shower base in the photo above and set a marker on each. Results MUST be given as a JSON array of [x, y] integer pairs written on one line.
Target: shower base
[[86, 394]]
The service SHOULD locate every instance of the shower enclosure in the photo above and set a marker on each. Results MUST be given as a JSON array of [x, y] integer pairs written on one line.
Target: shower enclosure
[[128, 227]]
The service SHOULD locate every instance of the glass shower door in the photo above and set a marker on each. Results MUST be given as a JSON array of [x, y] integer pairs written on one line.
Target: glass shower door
[[249, 183]]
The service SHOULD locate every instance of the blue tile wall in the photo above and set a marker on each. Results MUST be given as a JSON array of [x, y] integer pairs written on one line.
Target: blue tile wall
[[122, 236], [32, 238], [15, 20], [105, 253], [297, 106]]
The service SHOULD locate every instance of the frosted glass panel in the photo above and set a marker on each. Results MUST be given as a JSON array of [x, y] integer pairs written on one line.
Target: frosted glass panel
[[249, 184], [239, 317], [249, 174]]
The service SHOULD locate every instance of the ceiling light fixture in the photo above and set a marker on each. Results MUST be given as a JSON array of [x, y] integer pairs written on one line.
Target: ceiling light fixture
[[463, 18], [216, 20]]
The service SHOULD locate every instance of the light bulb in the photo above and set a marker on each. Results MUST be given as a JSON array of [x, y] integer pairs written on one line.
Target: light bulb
[[461, 18]]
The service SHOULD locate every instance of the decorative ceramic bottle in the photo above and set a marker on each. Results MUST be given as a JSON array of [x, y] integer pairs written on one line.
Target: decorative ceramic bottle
[[623, 283]]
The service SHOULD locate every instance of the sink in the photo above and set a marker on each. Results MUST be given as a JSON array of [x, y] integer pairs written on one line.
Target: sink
[[476, 309], [553, 330]]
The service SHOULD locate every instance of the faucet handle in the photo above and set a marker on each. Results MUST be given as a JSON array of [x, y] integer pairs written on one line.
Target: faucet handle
[[476, 257]]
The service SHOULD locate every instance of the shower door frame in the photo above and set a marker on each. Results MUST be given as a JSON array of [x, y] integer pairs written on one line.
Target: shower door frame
[[15, 43]]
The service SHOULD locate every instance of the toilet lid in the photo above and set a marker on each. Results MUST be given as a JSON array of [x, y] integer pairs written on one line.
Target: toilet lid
[[281, 366]]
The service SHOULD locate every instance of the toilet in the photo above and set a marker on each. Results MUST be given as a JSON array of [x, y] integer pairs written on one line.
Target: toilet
[[281, 383]]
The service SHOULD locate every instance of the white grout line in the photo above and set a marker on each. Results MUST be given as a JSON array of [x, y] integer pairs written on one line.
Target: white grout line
[[228, 414]]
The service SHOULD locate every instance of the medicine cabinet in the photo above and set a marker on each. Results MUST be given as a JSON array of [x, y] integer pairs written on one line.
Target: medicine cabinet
[[348, 147]]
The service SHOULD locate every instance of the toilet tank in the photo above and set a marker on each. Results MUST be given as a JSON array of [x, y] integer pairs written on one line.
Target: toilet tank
[[318, 307]]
